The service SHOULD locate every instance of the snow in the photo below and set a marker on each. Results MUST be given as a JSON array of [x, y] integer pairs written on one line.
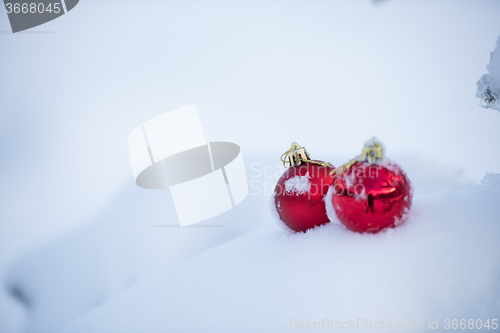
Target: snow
[[330, 210], [137, 236], [488, 86], [275, 215], [298, 184], [441, 263]]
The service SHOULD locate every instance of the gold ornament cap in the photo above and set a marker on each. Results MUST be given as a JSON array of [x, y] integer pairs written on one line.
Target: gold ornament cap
[[373, 150], [294, 156]]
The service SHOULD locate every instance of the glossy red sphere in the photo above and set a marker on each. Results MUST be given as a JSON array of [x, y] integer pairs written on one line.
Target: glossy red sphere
[[299, 196], [371, 197]]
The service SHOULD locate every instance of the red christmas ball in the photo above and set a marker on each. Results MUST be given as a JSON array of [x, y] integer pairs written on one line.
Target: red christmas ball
[[370, 195], [299, 195]]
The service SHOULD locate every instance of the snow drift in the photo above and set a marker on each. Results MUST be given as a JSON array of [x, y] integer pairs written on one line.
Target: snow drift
[[442, 263]]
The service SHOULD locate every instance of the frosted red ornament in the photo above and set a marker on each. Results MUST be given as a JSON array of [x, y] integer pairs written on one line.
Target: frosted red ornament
[[370, 193], [299, 193]]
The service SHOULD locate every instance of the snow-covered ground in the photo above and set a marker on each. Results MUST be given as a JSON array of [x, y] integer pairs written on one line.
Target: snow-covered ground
[[136, 237], [80, 243], [443, 263]]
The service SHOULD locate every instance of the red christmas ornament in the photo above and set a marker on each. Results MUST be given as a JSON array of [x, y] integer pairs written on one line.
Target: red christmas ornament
[[370, 193], [300, 191]]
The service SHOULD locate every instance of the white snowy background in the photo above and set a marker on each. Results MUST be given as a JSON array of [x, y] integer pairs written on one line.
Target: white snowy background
[[82, 249]]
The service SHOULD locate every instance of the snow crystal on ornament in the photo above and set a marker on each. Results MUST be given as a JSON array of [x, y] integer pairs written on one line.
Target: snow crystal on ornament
[[388, 164], [298, 184], [349, 180], [275, 213], [404, 216], [330, 211]]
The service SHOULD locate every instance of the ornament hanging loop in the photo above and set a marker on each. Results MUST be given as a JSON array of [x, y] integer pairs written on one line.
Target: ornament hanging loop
[[297, 155], [294, 156], [344, 166]]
